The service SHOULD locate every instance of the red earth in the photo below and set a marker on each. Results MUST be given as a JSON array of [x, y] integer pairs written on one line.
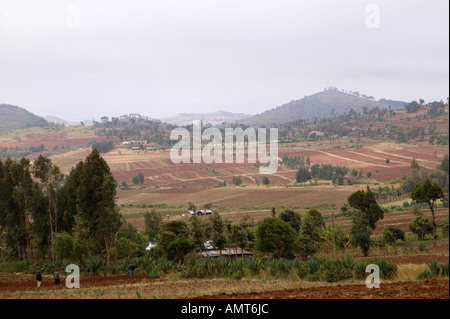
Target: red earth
[[428, 289], [12, 282]]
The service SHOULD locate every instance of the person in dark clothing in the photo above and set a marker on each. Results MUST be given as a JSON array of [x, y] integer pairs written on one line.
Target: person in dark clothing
[[38, 278], [132, 267], [56, 276]]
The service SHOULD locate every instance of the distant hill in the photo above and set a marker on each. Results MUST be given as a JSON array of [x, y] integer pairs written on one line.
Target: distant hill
[[322, 104], [393, 104], [14, 117], [214, 118], [57, 120]]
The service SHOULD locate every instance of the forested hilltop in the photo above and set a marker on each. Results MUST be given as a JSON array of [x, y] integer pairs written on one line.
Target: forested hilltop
[[14, 117]]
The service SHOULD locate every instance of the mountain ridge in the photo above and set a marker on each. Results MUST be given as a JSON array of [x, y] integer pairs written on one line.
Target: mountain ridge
[[15, 117], [326, 103]]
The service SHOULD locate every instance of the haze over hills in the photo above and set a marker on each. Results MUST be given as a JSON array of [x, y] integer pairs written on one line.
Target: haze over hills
[[214, 118], [14, 117], [60, 121], [323, 104]]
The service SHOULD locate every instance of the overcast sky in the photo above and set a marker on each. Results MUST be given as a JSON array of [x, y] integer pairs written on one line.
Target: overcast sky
[[83, 59]]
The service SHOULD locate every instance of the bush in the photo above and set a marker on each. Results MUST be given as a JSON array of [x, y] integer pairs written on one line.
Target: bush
[[422, 247], [388, 269], [126, 248], [421, 226], [434, 270], [277, 237], [306, 246], [444, 227], [302, 175], [391, 234], [103, 146], [237, 181], [179, 248], [94, 264]]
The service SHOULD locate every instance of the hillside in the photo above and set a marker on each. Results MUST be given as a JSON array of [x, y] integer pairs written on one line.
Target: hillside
[[57, 120], [14, 117], [214, 118], [322, 104]]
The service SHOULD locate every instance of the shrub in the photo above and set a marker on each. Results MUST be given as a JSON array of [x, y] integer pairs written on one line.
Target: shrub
[[125, 248], [292, 218], [422, 247], [277, 237], [421, 226], [179, 248], [444, 227], [434, 270], [391, 234], [388, 269], [237, 180], [332, 271], [94, 264], [306, 246], [335, 236], [254, 265]]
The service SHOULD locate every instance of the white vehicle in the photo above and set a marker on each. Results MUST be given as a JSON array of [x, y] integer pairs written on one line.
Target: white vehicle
[[208, 245], [191, 212]]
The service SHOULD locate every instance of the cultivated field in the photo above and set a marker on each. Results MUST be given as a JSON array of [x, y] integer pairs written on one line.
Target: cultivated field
[[169, 187]]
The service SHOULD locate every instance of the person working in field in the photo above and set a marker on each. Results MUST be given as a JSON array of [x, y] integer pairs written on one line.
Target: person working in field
[[38, 278], [56, 276], [132, 267]]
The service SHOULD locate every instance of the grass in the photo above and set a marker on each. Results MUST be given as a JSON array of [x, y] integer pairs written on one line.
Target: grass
[[171, 289], [409, 272]]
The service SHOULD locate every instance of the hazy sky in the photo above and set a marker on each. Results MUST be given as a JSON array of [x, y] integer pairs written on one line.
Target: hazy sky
[[83, 59]]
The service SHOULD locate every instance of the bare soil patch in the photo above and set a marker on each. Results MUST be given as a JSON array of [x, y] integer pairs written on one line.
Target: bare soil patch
[[398, 290]]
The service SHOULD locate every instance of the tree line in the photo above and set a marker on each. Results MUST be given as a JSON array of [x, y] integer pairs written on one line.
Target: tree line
[[42, 209]]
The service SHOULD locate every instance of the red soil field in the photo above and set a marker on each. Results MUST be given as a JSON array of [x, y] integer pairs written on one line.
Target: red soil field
[[398, 290], [13, 282]]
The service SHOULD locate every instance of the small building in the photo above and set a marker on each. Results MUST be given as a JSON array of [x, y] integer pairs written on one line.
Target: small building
[[227, 252]]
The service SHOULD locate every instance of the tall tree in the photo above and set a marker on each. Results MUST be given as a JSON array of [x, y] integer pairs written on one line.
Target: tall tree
[[67, 199], [96, 196], [366, 203], [277, 237], [292, 218], [219, 231], [153, 221], [312, 224], [428, 193], [367, 214], [17, 205], [50, 176], [197, 231]]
